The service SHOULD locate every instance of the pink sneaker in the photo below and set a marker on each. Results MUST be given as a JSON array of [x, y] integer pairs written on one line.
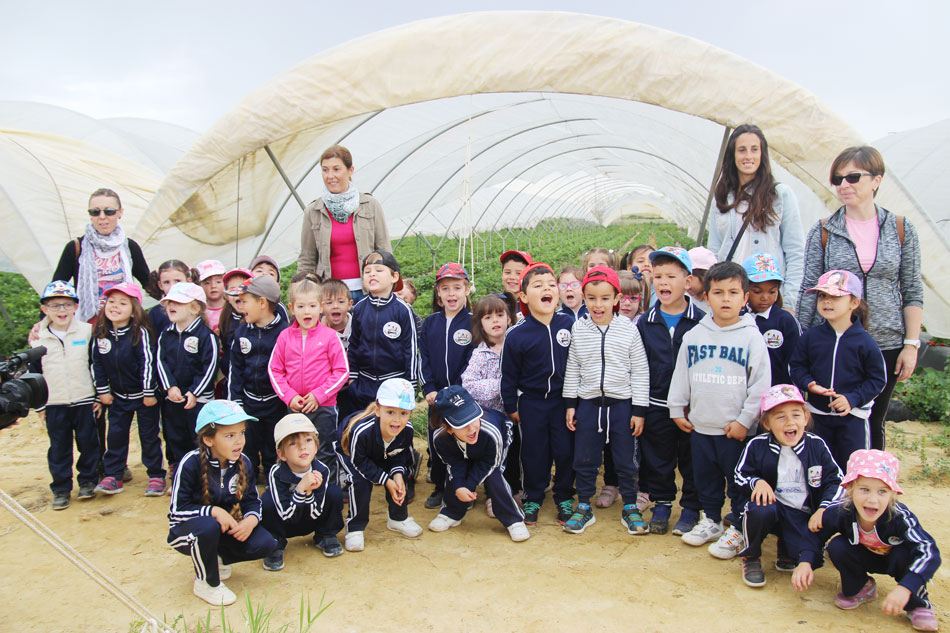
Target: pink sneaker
[[110, 486], [868, 592], [923, 619], [155, 488]]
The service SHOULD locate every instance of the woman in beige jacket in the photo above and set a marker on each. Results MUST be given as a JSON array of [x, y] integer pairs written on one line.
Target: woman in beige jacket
[[342, 227]]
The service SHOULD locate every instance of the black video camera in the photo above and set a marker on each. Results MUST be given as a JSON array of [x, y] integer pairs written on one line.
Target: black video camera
[[19, 391]]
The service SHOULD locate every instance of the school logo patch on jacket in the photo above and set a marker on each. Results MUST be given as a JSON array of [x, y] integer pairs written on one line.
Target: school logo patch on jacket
[[563, 337], [105, 345], [191, 345], [233, 484], [773, 339], [245, 346], [814, 476], [462, 337], [392, 330]]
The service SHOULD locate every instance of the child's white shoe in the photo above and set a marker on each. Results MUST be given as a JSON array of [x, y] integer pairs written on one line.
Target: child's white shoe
[[441, 523], [408, 528], [519, 532], [224, 571], [217, 596], [353, 542], [729, 544], [703, 532]]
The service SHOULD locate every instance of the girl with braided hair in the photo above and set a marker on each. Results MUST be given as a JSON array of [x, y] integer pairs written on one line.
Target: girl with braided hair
[[215, 513]]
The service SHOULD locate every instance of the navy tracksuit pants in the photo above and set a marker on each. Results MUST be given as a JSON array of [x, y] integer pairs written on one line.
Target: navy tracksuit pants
[[325, 421], [663, 447], [178, 426], [546, 439], [599, 428], [437, 468], [502, 502], [855, 562], [790, 524], [329, 523], [259, 436], [117, 440], [714, 466], [360, 491], [62, 424], [843, 434], [201, 538]]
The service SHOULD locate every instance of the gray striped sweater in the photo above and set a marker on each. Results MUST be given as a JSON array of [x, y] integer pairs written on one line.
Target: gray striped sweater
[[610, 363], [893, 283]]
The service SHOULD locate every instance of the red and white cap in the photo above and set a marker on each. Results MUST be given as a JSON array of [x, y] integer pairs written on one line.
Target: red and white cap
[[604, 273], [525, 255], [452, 270], [876, 465], [127, 288]]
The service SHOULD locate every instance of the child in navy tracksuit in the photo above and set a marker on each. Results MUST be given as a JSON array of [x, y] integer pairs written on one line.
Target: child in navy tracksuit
[[569, 289], [876, 534], [383, 341], [472, 442], [779, 328], [840, 366], [445, 346], [606, 391], [187, 364], [375, 448], [248, 380], [532, 375], [123, 370], [300, 498], [663, 446], [231, 316], [722, 371], [214, 515], [790, 477]]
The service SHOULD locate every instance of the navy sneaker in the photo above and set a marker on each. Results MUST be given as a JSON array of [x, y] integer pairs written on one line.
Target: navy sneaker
[[531, 510], [752, 573], [580, 519], [687, 521], [330, 546], [60, 500], [660, 521], [434, 500], [86, 491], [274, 562], [565, 510]]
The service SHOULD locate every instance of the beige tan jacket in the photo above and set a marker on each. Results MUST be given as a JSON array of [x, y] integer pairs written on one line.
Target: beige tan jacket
[[369, 229]]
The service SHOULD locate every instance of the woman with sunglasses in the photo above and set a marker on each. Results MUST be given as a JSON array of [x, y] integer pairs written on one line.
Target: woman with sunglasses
[[756, 213], [103, 257], [883, 251]]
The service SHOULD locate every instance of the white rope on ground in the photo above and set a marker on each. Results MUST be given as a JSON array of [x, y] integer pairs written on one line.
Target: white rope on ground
[[80, 561]]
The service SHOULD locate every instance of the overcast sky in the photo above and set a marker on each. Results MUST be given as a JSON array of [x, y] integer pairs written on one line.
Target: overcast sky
[[882, 66]]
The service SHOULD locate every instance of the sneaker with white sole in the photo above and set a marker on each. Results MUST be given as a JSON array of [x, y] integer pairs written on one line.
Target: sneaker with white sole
[[408, 528], [441, 523], [519, 532], [705, 531], [353, 542], [729, 544], [217, 596], [224, 571]]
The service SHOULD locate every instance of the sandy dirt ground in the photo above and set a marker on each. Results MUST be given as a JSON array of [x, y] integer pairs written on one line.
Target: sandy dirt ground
[[472, 578]]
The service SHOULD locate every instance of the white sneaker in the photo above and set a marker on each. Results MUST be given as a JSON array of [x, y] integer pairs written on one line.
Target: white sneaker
[[217, 596], [353, 542], [703, 532], [408, 528], [729, 544], [519, 532], [224, 571], [441, 523]]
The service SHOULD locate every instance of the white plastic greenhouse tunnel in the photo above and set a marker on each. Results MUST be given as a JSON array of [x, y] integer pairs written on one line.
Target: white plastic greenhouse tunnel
[[470, 123]]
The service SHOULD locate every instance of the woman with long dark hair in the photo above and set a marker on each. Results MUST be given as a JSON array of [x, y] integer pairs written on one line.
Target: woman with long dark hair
[[756, 213]]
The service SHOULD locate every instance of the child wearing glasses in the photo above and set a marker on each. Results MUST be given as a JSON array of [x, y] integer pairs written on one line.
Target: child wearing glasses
[[569, 287]]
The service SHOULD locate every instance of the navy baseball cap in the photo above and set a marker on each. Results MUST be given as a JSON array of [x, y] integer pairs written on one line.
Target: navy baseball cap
[[457, 406]]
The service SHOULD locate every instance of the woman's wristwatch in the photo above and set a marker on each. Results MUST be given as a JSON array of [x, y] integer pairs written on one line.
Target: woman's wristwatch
[[913, 342]]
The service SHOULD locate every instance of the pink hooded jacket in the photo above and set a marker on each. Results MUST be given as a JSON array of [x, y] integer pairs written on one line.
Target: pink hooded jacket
[[319, 368]]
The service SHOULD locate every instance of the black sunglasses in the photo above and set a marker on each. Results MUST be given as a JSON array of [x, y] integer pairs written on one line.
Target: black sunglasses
[[853, 177], [110, 212]]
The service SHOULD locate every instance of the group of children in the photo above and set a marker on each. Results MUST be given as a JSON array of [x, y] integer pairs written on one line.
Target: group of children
[[672, 362]]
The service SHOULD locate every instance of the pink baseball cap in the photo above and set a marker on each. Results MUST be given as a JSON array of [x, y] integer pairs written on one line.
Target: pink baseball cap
[[244, 272], [838, 283], [185, 292], [127, 288], [209, 268], [702, 258], [876, 465], [780, 394]]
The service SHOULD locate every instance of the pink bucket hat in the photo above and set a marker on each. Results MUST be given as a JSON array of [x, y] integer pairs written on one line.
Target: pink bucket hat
[[702, 258], [876, 465], [838, 283], [780, 394], [127, 288]]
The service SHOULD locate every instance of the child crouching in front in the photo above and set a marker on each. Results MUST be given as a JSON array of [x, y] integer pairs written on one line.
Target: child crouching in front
[[472, 443], [877, 534], [300, 499], [790, 477], [375, 448], [215, 513]]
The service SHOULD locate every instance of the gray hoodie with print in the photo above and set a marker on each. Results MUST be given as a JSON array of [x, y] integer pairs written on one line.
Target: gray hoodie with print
[[721, 374]]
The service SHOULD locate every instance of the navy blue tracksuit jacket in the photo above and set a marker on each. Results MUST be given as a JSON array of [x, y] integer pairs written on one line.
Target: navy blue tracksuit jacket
[[445, 348], [188, 359], [251, 349], [534, 358], [383, 344], [661, 348], [125, 369], [781, 332]]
